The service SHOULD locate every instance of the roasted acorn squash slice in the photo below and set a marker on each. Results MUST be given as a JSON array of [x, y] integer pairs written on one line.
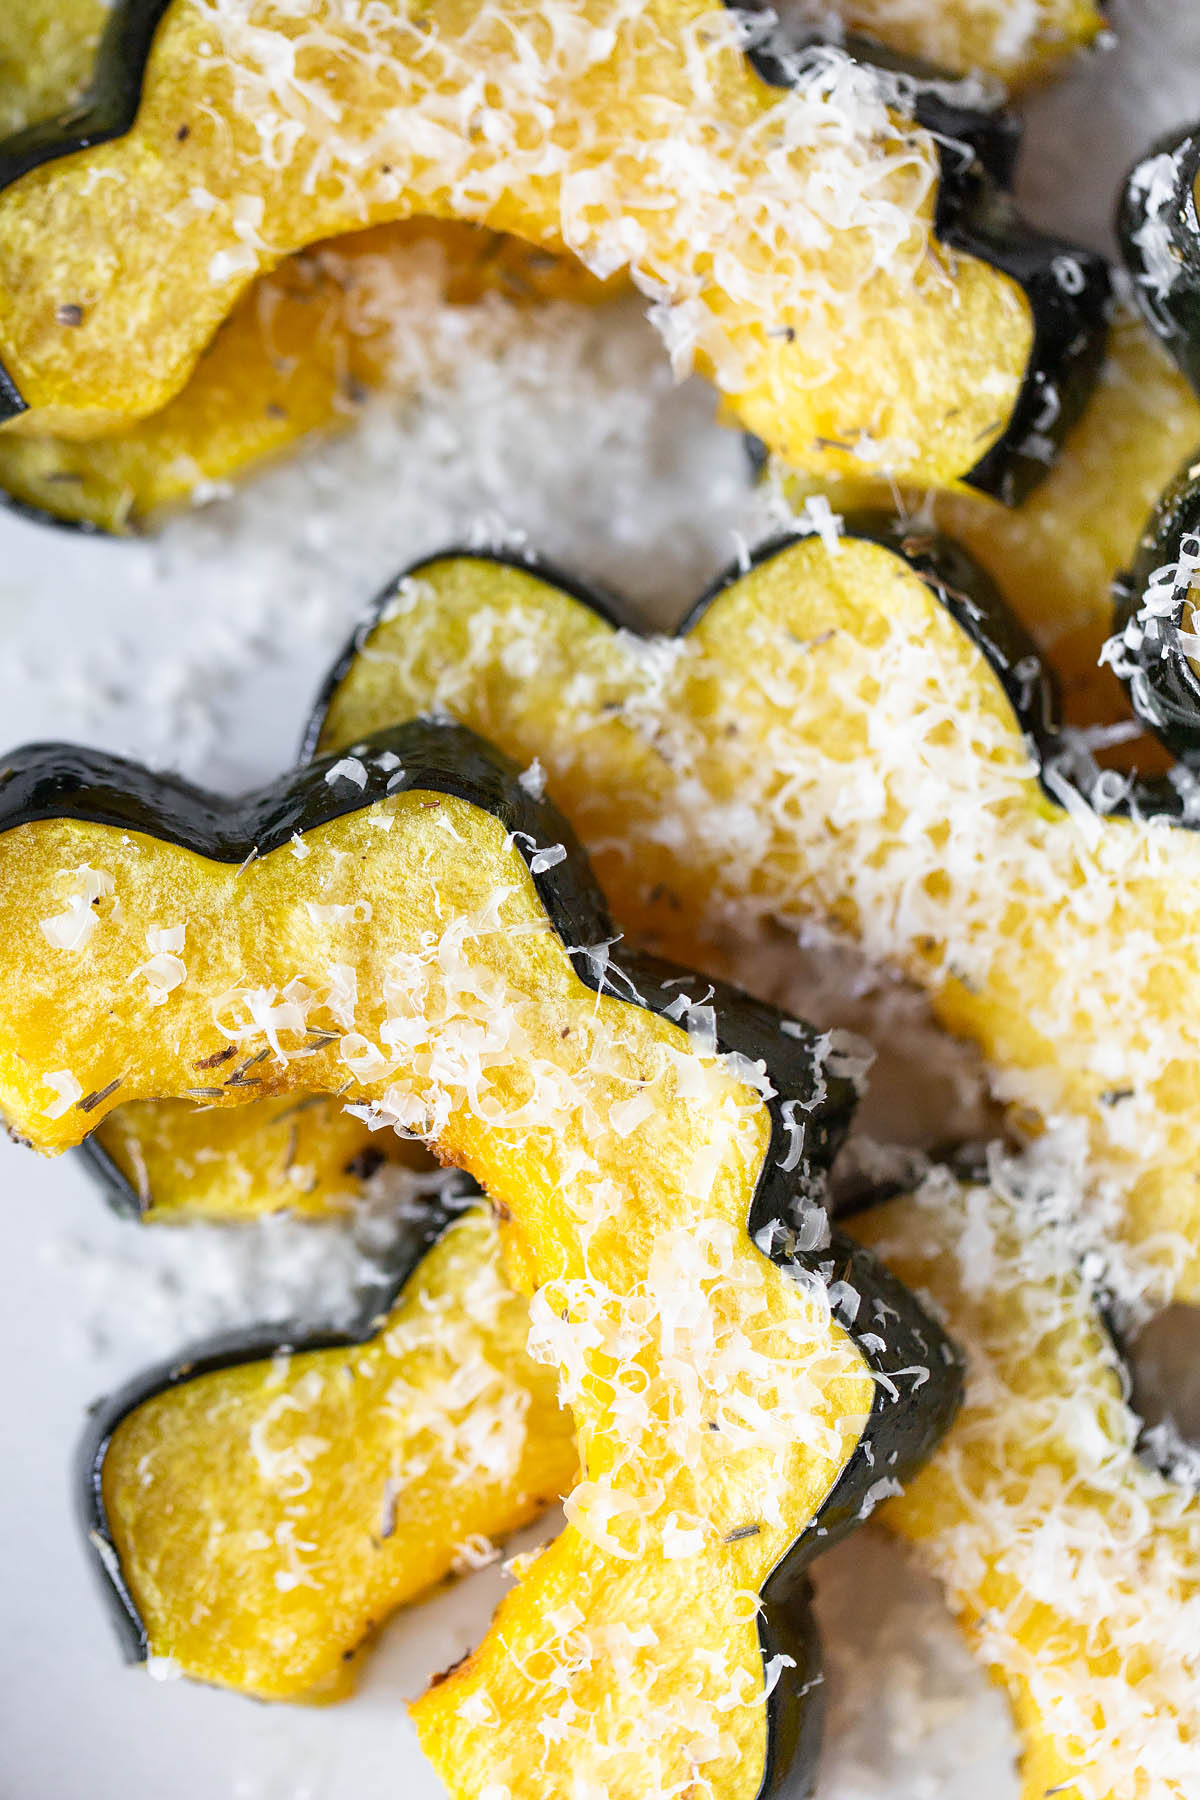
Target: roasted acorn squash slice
[[259, 1511], [935, 365], [658, 1144], [1073, 1565]]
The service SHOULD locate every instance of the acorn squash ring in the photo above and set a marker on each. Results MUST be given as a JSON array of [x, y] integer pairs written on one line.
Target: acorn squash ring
[[1065, 292], [457, 832]]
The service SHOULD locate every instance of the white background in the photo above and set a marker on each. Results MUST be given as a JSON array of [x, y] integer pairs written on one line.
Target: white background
[[201, 649]]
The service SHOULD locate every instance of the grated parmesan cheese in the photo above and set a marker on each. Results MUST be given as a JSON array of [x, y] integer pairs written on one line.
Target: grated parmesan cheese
[[348, 769], [67, 1091]]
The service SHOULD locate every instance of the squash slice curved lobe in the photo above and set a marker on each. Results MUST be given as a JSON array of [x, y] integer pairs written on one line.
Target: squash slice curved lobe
[[1056, 1540]]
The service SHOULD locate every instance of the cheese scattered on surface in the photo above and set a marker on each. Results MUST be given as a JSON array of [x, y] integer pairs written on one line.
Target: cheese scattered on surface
[[71, 930], [717, 1398], [348, 769], [202, 654]]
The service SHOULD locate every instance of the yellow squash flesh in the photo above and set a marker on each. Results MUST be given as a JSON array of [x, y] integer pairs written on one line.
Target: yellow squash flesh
[[1074, 1567], [47, 49], [268, 1517], [185, 1160], [640, 140], [299, 354]]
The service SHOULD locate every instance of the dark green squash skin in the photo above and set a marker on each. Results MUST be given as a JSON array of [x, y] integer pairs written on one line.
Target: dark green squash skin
[[115, 1185], [1163, 688], [1174, 317], [62, 781], [1067, 288]]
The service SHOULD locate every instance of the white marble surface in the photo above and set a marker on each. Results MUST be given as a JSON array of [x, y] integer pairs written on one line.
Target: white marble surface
[[202, 649]]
